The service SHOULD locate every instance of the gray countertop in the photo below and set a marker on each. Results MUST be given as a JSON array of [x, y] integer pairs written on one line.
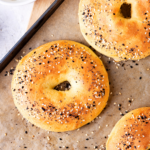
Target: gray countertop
[[13, 24]]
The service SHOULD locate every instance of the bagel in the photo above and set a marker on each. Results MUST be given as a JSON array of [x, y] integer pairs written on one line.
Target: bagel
[[115, 28], [38, 75], [132, 132]]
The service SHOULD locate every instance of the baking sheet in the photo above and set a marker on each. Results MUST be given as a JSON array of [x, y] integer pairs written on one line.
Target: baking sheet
[[128, 80]]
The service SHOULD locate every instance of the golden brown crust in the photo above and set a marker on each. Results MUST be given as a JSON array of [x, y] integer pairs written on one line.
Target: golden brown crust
[[132, 132], [42, 69], [103, 26]]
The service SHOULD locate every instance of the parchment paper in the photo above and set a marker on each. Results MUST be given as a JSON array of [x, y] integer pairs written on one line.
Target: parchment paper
[[129, 80]]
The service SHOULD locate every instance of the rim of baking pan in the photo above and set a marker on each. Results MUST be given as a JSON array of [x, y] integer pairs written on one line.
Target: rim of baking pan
[[16, 2]]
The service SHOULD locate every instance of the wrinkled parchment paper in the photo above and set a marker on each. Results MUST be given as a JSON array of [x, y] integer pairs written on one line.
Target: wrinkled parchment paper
[[128, 80]]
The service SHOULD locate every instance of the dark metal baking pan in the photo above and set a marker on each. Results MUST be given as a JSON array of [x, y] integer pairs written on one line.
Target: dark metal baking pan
[[28, 35]]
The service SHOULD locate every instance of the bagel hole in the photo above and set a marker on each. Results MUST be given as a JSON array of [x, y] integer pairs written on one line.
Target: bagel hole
[[125, 10], [64, 86]]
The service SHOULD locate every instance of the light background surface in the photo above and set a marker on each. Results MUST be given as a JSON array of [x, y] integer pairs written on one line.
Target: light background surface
[[13, 24]]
